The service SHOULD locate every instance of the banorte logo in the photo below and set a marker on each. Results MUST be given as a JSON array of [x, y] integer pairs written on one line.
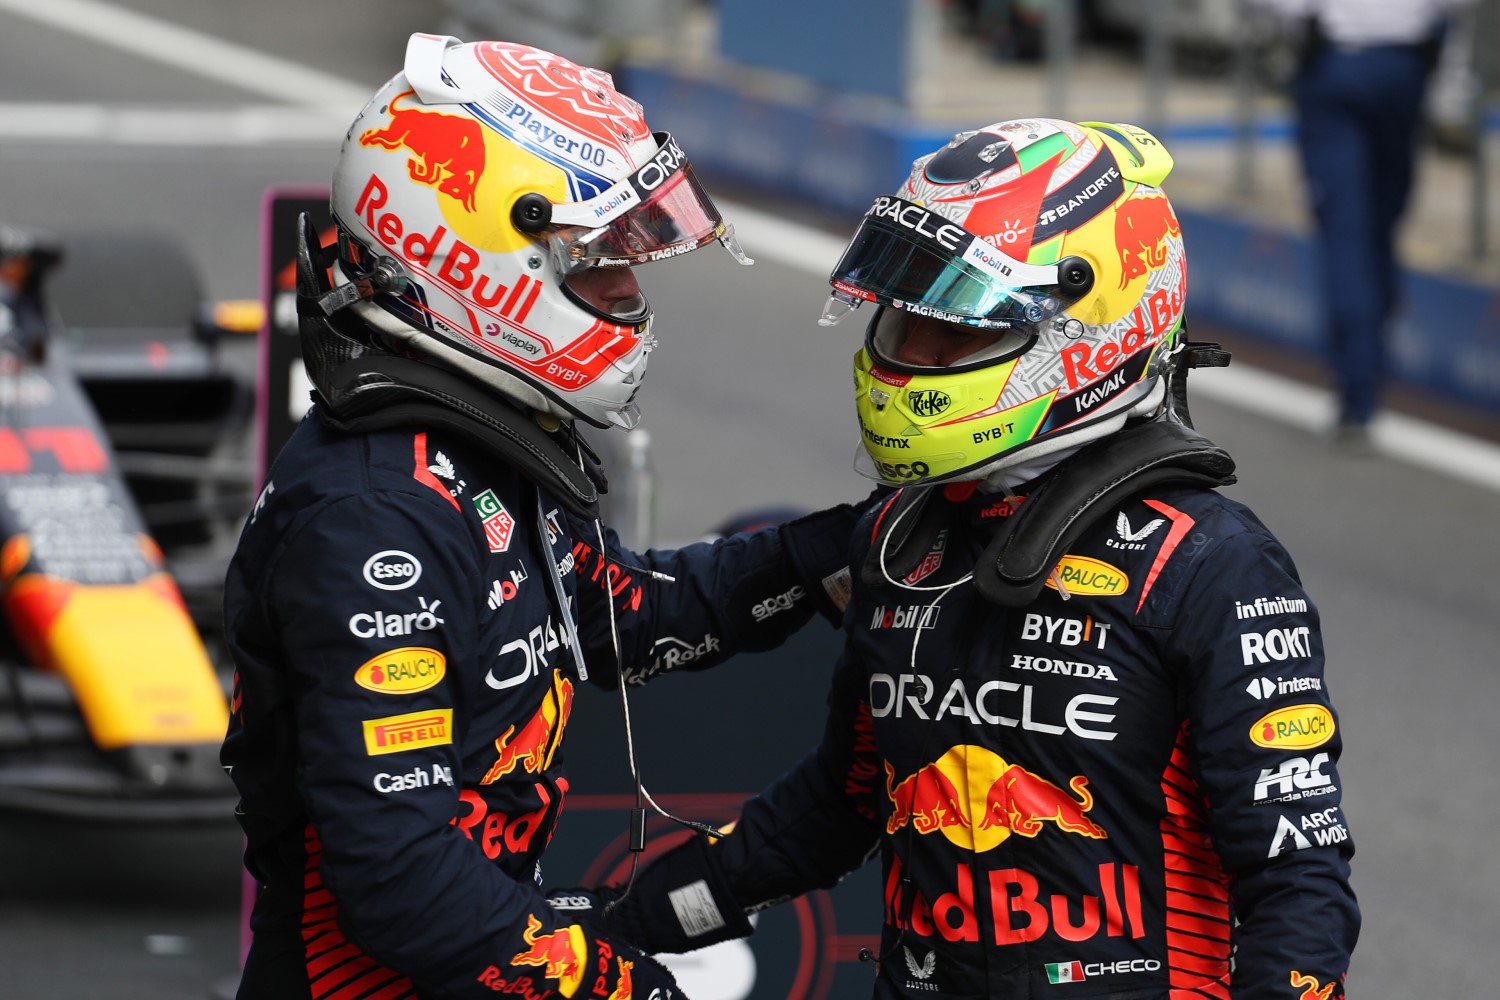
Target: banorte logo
[[1142, 227], [976, 799], [560, 955]]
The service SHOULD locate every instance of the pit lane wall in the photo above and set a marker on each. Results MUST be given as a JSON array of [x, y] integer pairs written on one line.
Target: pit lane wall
[[835, 154]]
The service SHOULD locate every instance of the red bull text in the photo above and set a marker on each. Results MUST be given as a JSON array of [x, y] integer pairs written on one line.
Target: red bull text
[[1018, 908]]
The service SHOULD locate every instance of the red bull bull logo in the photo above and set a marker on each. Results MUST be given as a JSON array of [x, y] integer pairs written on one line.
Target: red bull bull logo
[[1311, 989], [1021, 801], [624, 982], [446, 151], [976, 799], [530, 747], [1142, 228], [560, 955]]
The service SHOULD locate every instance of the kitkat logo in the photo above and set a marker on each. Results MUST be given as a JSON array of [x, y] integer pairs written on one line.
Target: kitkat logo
[[1296, 728], [402, 671]]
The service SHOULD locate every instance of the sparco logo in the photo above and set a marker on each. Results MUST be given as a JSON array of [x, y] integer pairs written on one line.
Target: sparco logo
[[929, 402], [672, 652], [392, 570], [781, 602]]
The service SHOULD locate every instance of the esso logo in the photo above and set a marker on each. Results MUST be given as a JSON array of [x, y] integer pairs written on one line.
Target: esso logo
[[392, 570]]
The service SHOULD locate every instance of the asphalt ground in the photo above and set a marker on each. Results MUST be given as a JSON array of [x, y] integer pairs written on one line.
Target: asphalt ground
[[748, 404]]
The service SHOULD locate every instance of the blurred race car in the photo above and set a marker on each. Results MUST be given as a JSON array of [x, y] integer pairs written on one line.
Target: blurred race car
[[124, 472]]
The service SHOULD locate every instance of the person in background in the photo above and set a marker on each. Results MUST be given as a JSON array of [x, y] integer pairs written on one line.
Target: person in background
[[1358, 92], [424, 582], [1081, 712]]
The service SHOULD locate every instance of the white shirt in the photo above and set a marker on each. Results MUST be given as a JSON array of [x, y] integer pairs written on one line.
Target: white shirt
[[1368, 22]]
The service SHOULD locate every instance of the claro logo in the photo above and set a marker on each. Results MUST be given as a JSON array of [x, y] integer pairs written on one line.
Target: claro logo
[[392, 570]]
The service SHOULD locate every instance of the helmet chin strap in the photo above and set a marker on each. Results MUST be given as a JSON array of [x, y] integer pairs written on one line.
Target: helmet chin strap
[[1012, 469]]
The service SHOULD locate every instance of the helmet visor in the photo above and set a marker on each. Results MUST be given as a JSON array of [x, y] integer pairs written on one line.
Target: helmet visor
[[660, 211], [904, 255]]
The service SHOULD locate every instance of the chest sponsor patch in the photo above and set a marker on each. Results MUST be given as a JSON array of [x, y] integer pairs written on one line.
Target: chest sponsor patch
[[1296, 728], [402, 670], [1087, 577], [410, 731]]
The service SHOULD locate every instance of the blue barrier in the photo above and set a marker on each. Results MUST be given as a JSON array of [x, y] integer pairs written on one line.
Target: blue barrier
[[838, 155]]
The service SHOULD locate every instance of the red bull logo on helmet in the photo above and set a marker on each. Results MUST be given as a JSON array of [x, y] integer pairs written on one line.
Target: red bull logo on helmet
[[1143, 225], [445, 151], [976, 799]]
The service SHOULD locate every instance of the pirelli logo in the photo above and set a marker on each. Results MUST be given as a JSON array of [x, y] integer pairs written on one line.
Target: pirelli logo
[[396, 733]]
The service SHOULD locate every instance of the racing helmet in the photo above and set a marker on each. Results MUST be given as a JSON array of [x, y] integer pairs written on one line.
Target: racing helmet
[[475, 195], [1046, 252]]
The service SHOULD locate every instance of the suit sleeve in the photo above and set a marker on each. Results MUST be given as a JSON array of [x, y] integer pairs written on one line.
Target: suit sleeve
[[820, 820], [379, 724], [696, 606], [1264, 746]]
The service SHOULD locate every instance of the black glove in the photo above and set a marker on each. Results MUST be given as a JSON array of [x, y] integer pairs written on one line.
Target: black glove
[[818, 545], [611, 967], [680, 902]]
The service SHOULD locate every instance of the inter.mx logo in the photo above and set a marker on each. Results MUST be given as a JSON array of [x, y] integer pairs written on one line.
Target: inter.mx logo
[[1264, 687]]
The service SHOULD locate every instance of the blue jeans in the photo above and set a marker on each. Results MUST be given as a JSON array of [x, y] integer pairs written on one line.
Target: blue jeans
[[1359, 112]]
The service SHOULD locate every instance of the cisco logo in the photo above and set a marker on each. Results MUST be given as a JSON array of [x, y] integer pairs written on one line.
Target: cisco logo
[[392, 570]]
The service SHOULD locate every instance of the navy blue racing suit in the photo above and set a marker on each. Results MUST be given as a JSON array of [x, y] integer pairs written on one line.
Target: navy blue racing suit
[[405, 669], [1108, 795]]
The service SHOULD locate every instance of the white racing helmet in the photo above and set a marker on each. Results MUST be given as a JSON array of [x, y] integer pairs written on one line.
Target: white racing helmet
[[471, 189]]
